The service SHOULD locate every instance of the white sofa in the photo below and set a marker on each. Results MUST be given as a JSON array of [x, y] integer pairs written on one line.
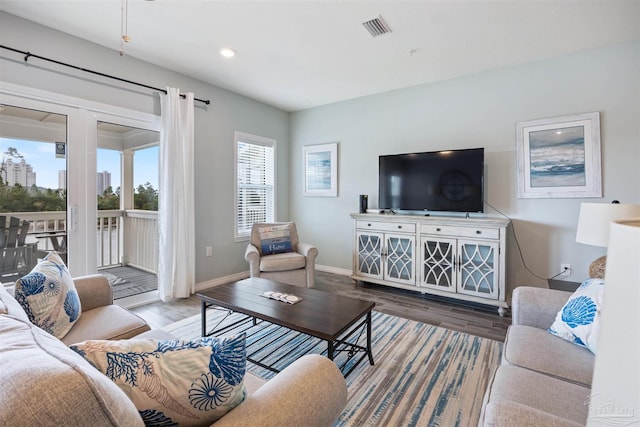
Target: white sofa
[[543, 380], [45, 383]]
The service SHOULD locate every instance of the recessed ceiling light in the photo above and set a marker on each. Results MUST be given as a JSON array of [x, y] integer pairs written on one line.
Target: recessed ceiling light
[[227, 52]]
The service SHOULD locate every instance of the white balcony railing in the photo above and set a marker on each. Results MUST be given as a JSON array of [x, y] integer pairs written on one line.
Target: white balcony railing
[[123, 237]]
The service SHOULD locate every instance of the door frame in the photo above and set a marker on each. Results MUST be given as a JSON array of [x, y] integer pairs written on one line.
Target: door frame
[[82, 119]]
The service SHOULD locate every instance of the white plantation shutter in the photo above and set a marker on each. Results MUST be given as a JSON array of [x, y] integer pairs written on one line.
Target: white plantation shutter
[[255, 182]]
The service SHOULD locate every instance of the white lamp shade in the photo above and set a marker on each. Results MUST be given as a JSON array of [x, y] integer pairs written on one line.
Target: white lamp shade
[[615, 394], [595, 218]]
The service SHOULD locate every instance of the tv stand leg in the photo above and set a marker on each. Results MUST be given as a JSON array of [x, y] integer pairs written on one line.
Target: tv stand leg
[[502, 311]]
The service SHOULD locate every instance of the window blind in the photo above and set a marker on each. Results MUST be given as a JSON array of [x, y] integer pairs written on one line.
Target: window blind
[[255, 182]]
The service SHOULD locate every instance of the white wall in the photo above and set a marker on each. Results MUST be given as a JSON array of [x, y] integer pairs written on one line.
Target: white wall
[[479, 111], [215, 124]]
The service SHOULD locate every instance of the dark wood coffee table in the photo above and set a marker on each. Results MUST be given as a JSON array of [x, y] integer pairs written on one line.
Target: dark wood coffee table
[[324, 315]]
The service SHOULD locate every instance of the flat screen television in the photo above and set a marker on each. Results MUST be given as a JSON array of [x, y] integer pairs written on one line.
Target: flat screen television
[[449, 181]]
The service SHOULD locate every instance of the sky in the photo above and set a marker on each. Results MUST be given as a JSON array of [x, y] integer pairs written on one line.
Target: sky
[[41, 156]]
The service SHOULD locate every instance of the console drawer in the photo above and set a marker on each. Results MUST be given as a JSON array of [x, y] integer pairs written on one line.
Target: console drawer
[[448, 230], [399, 227]]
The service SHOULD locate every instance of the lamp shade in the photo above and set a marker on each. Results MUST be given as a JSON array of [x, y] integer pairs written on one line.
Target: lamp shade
[[615, 393], [595, 218]]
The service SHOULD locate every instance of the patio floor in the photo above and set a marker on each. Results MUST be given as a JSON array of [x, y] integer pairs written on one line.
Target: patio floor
[[128, 281]]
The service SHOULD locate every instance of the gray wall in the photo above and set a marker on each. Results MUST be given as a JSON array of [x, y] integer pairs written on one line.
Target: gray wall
[[479, 111], [215, 124]]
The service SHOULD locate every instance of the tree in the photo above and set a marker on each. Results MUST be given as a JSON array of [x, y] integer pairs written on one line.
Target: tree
[[108, 200], [146, 197], [10, 154]]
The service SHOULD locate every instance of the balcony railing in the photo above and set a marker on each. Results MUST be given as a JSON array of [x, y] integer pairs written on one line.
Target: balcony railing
[[127, 238]]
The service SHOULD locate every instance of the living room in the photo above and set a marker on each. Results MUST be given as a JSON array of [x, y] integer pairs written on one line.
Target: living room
[[477, 110]]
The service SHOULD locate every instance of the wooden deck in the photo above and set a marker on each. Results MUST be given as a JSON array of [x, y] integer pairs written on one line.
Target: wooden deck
[[128, 281]]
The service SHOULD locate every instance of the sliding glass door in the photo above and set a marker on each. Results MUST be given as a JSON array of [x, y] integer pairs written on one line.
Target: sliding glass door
[[52, 149]]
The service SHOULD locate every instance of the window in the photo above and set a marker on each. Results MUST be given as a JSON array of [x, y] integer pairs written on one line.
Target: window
[[255, 182]]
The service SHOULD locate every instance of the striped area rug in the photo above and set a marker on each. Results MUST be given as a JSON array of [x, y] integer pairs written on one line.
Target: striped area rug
[[423, 375]]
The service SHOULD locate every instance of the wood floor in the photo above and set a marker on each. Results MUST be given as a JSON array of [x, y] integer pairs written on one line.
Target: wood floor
[[477, 320]]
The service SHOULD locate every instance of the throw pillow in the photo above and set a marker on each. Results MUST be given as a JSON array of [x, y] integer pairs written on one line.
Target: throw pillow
[[174, 382], [579, 320], [49, 297], [275, 239]]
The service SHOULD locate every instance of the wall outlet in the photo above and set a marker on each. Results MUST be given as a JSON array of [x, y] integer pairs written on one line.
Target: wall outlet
[[566, 270], [208, 251]]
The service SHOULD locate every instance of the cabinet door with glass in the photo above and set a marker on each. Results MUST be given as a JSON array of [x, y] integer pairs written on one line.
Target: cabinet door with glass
[[438, 257], [369, 252], [399, 251], [478, 268]]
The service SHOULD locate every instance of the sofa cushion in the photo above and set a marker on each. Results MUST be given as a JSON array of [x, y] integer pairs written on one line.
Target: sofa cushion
[[173, 381], [49, 296], [275, 239], [578, 321], [110, 322], [537, 350], [43, 382], [282, 262], [545, 395]]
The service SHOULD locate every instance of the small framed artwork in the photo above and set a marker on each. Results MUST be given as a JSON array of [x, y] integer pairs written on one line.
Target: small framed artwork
[[559, 157], [321, 170]]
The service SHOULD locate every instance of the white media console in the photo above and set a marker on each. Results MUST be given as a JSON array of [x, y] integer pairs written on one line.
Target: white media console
[[455, 257]]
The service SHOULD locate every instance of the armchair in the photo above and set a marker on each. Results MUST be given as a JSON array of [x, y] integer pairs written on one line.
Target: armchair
[[295, 266]]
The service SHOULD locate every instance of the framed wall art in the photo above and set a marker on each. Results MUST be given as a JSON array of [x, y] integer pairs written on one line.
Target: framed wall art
[[321, 170], [559, 157]]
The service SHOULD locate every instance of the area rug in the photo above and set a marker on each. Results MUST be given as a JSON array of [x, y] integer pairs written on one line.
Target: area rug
[[423, 375]]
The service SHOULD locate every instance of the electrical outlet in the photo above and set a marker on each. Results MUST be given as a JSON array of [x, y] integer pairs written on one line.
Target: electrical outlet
[[208, 251], [566, 270]]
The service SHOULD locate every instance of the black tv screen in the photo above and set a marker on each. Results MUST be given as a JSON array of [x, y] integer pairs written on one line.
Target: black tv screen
[[433, 181]]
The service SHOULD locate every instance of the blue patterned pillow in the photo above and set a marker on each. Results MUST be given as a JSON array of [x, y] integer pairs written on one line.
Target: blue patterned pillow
[[275, 239], [579, 320], [49, 296], [174, 382]]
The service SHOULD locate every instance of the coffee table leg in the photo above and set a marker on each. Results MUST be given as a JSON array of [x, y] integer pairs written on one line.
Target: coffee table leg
[[330, 349], [369, 352], [203, 318]]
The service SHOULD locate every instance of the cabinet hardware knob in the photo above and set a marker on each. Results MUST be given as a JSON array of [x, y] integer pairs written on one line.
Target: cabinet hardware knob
[[438, 229], [368, 225], [478, 231], [399, 226]]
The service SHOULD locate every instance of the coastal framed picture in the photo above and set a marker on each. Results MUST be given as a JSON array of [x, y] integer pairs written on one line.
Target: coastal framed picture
[[321, 170], [559, 157]]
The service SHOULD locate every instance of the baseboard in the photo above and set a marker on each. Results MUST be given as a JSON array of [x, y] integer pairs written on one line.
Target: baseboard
[[138, 300], [244, 274], [221, 280], [334, 270]]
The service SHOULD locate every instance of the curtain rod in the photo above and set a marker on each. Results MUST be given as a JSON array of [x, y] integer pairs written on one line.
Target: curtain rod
[[29, 55]]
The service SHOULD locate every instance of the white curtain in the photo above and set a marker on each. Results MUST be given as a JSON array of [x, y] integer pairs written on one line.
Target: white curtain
[[176, 258]]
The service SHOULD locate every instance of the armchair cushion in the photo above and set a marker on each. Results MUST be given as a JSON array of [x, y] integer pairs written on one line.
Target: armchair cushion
[[275, 239], [174, 382], [282, 262], [49, 296], [257, 241]]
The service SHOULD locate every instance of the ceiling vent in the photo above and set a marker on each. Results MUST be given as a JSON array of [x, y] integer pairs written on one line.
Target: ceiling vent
[[377, 26]]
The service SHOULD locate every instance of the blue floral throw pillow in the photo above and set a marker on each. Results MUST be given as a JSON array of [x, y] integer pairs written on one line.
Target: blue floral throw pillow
[[174, 382], [49, 296], [579, 320]]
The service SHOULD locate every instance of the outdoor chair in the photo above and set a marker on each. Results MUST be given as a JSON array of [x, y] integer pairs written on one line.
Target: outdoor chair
[[16, 255]]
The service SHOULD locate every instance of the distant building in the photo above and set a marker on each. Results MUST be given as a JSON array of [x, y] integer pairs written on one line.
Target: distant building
[[18, 173], [103, 181]]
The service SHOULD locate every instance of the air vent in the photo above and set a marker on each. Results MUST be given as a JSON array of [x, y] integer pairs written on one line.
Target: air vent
[[377, 27]]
